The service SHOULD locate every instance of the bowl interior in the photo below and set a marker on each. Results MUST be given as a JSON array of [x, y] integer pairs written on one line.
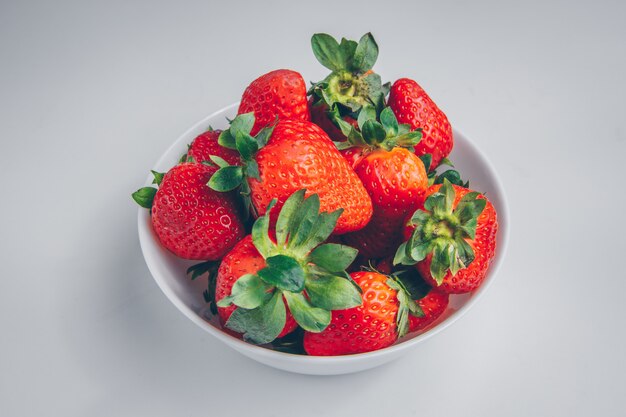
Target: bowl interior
[[169, 270]]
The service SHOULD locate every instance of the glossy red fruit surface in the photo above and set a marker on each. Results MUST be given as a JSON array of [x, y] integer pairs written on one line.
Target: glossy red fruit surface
[[206, 145], [190, 219], [413, 106], [433, 305], [369, 327], [280, 93]]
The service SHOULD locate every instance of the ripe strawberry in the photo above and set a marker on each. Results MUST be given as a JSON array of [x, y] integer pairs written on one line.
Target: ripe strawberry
[[190, 219], [433, 305], [432, 302], [243, 259], [394, 177], [297, 155], [453, 240], [280, 93], [351, 84], [265, 285], [412, 105], [206, 145], [374, 325]]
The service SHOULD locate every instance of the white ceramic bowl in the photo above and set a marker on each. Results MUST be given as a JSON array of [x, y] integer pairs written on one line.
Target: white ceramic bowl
[[170, 272]]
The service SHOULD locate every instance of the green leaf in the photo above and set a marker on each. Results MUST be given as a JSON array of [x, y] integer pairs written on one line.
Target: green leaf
[[302, 222], [402, 257], [202, 268], [264, 135], [373, 132], [242, 124], [246, 145], [321, 230], [427, 159], [226, 179], [158, 177], [286, 213], [262, 324], [332, 292], [365, 54], [249, 292], [347, 48], [283, 272], [252, 170], [220, 162], [312, 319], [260, 232], [448, 191], [226, 140], [366, 113], [406, 306], [145, 196], [389, 121], [327, 51], [441, 261], [333, 257]]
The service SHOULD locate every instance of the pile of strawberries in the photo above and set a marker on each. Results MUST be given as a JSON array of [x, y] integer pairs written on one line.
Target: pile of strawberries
[[320, 216]]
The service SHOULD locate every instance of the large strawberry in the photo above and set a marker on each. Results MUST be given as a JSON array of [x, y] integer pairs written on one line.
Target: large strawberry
[[205, 145], [263, 275], [375, 324], [278, 94], [412, 105], [351, 84], [190, 219], [453, 238], [394, 177], [294, 155]]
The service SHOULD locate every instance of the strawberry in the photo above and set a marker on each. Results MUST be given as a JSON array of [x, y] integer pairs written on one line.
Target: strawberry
[[190, 219], [393, 176], [243, 259], [432, 302], [296, 154], [265, 285], [351, 84], [375, 324], [412, 105], [278, 94], [452, 238], [206, 145]]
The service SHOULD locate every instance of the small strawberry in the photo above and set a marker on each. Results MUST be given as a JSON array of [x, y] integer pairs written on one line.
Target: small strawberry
[[412, 105], [351, 84], [393, 176], [294, 155], [432, 302], [453, 240], [265, 284], [206, 145], [190, 219], [375, 324], [278, 94]]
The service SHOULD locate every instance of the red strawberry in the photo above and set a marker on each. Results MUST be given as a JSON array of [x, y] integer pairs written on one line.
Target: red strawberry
[[265, 285], [412, 105], [433, 305], [394, 177], [190, 219], [280, 93], [206, 145], [370, 326], [298, 155], [454, 238], [243, 259]]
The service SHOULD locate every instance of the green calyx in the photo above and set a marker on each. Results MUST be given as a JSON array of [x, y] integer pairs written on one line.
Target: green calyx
[[443, 231], [145, 195], [237, 137], [376, 130], [350, 85], [308, 273], [452, 175]]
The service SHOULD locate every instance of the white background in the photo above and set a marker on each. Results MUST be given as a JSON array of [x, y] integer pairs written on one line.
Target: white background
[[92, 94]]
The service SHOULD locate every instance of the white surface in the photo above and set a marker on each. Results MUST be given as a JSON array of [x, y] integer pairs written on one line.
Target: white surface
[[168, 270], [91, 95]]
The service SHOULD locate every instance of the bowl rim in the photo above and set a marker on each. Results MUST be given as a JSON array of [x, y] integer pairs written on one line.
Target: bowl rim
[[254, 350]]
